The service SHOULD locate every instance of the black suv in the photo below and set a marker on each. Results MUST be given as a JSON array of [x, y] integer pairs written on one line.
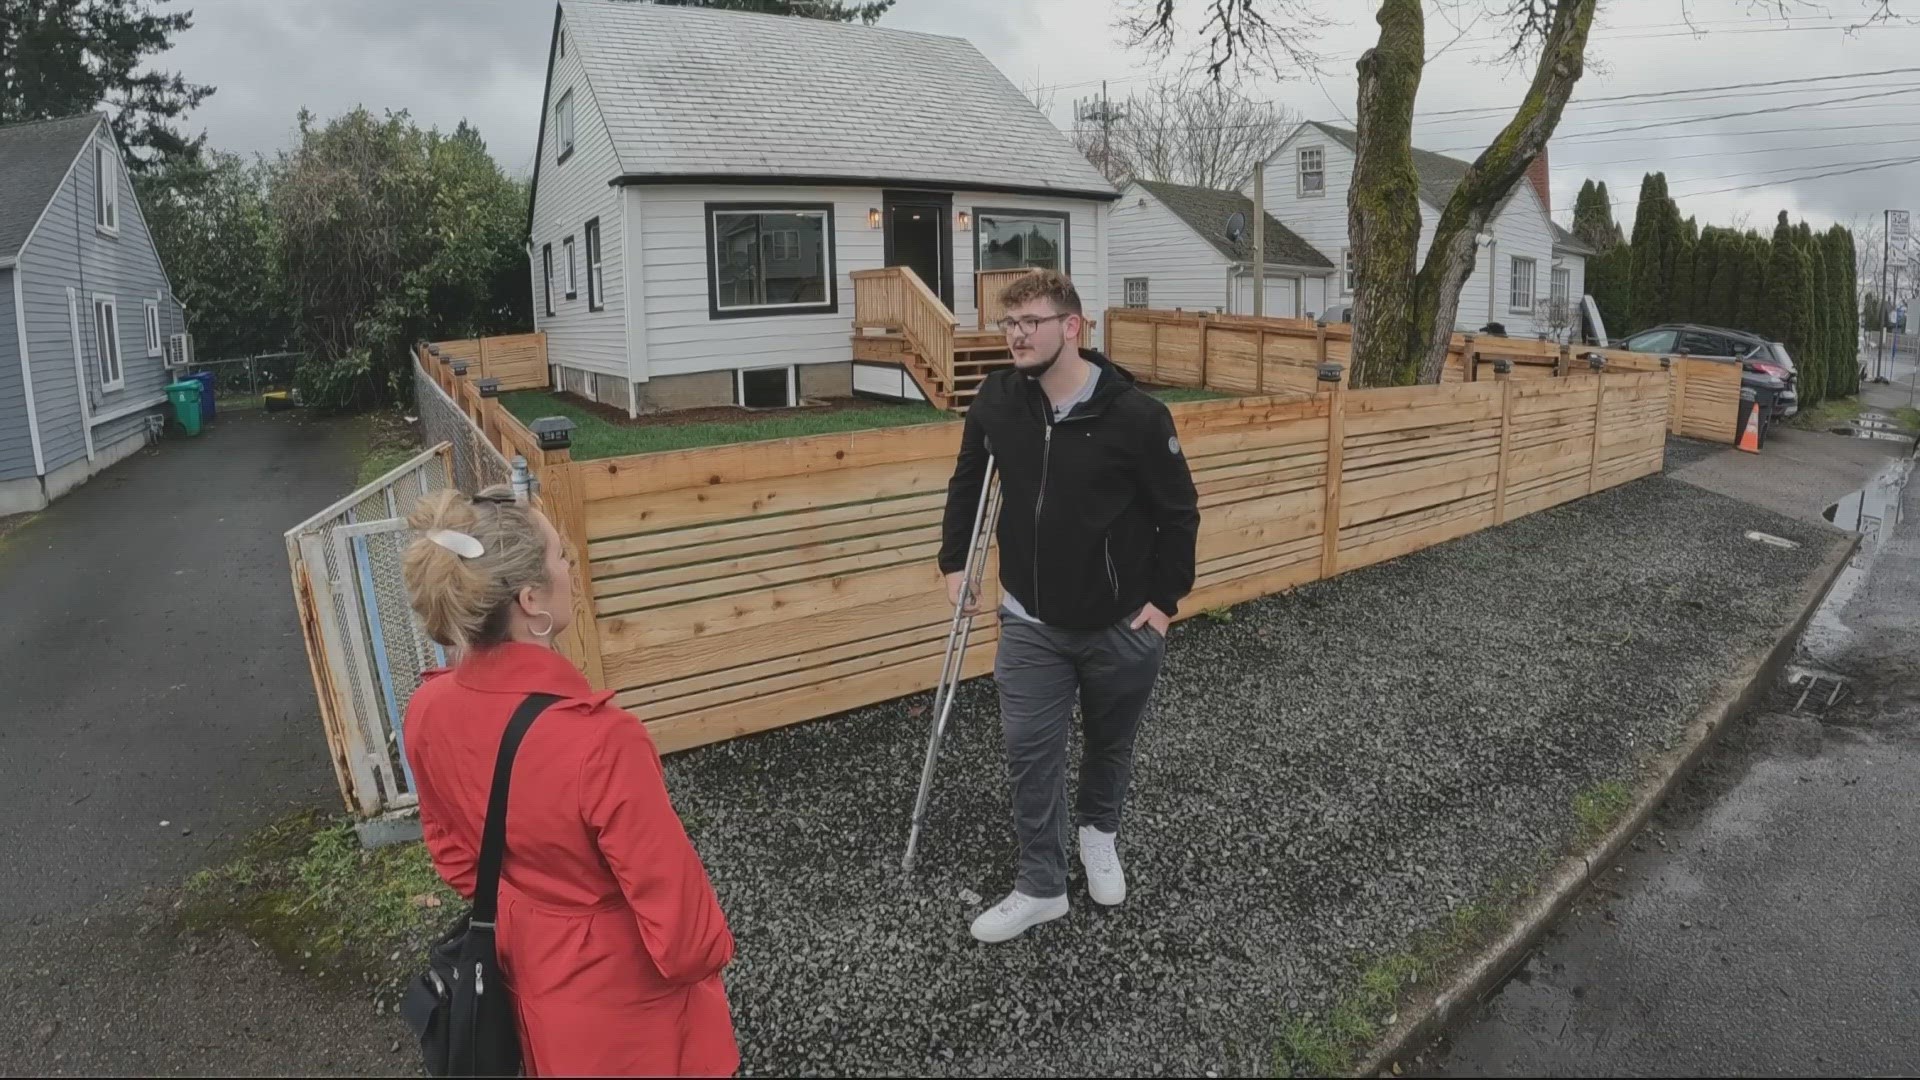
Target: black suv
[[1764, 364]]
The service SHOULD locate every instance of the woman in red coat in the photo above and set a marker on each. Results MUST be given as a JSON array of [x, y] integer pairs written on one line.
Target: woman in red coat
[[609, 932]]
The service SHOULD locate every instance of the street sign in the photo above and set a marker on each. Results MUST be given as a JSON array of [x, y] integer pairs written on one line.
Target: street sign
[[1897, 227]]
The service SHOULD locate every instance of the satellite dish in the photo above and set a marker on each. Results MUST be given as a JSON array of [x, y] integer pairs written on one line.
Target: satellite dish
[[1236, 226]]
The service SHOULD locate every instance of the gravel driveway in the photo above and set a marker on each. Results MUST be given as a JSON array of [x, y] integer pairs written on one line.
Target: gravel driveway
[[1322, 777]]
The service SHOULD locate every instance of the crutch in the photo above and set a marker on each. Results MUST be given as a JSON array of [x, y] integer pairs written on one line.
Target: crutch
[[957, 632]]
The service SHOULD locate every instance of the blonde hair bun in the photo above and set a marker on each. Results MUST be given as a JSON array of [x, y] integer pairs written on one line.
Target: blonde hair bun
[[465, 600]]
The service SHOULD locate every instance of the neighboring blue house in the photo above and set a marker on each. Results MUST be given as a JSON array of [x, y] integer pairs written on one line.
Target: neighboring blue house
[[87, 318]]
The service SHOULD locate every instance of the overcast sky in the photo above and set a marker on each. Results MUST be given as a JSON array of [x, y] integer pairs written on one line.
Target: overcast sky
[[483, 60]]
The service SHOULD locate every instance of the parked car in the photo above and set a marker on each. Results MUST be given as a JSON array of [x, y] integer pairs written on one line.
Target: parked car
[[1765, 365]]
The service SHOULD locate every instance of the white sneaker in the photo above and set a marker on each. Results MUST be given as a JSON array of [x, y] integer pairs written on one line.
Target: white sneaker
[[1011, 917], [1106, 882]]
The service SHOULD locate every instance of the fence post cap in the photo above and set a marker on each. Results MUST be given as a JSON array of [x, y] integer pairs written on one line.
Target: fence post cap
[[489, 387], [554, 432], [1595, 361], [1666, 361], [1503, 366], [434, 349], [1320, 323], [460, 368], [1329, 372]]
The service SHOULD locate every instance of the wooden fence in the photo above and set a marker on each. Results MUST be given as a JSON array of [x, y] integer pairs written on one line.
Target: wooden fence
[[518, 361], [1242, 354], [746, 587]]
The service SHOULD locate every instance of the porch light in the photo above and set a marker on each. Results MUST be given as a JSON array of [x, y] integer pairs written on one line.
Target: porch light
[[962, 221], [873, 218]]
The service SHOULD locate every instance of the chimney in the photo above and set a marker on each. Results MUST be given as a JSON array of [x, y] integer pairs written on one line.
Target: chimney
[[1537, 174]]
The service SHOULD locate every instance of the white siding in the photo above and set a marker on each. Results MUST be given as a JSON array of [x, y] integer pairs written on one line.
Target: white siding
[[570, 193], [67, 251], [1150, 241], [1519, 229], [680, 335], [1320, 220]]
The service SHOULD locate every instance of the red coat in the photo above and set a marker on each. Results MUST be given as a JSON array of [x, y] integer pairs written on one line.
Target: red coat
[[609, 932]]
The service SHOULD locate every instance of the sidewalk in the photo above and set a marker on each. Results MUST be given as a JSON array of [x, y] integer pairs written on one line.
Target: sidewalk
[[1323, 777], [1766, 921]]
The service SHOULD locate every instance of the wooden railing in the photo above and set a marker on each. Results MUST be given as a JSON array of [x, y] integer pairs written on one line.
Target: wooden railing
[[519, 361], [894, 298], [987, 285]]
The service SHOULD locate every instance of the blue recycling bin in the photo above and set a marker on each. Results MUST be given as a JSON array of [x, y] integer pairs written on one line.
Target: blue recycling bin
[[205, 379]]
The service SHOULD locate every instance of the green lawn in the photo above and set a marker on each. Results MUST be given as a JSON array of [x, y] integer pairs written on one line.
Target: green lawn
[[597, 437], [594, 437], [1830, 413]]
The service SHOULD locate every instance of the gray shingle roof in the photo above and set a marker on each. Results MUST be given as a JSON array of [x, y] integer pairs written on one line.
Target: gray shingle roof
[[697, 92], [1206, 210], [1439, 174], [1569, 243], [33, 160]]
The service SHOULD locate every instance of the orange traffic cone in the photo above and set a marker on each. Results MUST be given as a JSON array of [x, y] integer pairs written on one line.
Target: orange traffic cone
[[1750, 438]]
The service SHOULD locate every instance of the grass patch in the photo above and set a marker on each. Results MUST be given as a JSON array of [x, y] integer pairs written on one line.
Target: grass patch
[[1830, 413], [388, 444], [1173, 395], [595, 436], [1599, 807], [304, 887], [1907, 417]]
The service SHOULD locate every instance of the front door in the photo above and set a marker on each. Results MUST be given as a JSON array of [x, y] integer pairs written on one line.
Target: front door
[[919, 234]]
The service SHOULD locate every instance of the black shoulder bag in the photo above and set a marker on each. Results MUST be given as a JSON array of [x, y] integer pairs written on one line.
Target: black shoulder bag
[[460, 1008]]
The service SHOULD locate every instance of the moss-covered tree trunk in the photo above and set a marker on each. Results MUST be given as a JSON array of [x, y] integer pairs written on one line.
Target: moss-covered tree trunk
[[1383, 203], [1403, 322]]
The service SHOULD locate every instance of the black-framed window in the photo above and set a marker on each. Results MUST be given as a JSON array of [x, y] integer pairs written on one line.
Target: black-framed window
[[563, 127], [770, 259], [1136, 294], [573, 280], [1011, 239], [596, 285], [546, 278]]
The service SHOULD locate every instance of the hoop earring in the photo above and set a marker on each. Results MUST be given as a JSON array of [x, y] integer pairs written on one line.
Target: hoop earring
[[548, 632]]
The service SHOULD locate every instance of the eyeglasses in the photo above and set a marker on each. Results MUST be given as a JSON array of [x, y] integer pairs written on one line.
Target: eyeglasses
[[1027, 324]]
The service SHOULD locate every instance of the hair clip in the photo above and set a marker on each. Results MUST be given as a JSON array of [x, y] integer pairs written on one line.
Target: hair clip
[[457, 542]]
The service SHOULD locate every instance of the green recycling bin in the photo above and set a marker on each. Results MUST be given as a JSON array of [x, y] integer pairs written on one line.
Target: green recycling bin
[[185, 397]]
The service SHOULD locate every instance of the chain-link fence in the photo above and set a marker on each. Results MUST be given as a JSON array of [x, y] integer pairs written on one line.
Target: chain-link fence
[[476, 463], [244, 381], [366, 646]]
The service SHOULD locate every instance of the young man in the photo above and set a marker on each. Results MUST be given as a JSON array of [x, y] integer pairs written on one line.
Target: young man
[[1096, 533]]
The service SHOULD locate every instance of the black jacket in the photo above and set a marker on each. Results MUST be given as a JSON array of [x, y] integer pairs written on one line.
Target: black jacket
[[1098, 515]]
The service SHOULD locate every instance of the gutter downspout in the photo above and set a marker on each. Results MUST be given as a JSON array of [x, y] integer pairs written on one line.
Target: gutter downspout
[[1233, 272]]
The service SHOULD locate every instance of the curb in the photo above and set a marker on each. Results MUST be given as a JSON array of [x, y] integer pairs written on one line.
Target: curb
[[1431, 1012]]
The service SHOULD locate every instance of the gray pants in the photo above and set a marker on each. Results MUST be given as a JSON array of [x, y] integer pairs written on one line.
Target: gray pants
[[1041, 672]]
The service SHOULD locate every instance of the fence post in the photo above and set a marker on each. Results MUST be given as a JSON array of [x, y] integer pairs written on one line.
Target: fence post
[[560, 498], [482, 356], [1469, 360], [1599, 416], [1260, 361], [1333, 383], [1676, 395], [1503, 374], [1203, 350], [1320, 342], [1563, 366]]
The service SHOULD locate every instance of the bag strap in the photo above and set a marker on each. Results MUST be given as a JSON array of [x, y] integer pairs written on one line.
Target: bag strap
[[493, 842]]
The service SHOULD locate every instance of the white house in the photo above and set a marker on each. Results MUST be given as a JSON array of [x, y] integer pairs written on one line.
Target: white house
[[707, 182], [1174, 246], [1522, 262]]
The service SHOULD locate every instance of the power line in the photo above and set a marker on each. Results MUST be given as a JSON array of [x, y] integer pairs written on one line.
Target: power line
[[1874, 167]]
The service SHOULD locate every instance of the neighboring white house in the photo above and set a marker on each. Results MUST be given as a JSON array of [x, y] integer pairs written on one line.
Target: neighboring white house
[[1520, 267], [708, 180], [1174, 246]]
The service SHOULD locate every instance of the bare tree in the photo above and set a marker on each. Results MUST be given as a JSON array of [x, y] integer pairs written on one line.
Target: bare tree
[[1191, 132], [1403, 317]]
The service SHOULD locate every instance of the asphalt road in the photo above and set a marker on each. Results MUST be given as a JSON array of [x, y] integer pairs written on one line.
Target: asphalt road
[[159, 707], [1766, 921]]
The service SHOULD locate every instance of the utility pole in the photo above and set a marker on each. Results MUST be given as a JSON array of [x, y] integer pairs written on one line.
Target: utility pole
[[1260, 240], [1886, 305], [1103, 113]]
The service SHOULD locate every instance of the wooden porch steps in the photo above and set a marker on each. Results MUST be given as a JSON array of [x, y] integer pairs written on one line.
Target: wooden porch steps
[[976, 356]]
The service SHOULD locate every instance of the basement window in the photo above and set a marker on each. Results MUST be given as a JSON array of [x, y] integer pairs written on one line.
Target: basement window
[[765, 388]]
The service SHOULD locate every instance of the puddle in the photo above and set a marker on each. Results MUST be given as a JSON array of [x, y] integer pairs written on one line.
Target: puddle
[[1877, 426], [1874, 512]]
